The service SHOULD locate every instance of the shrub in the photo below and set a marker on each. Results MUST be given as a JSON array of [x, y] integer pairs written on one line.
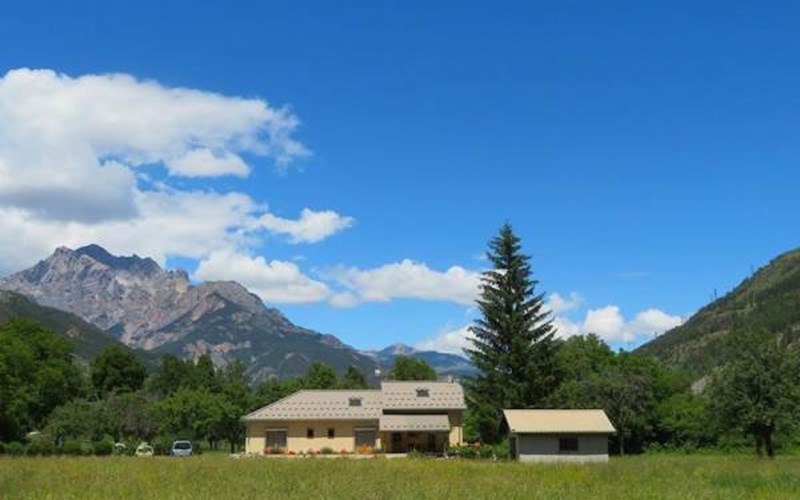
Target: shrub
[[274, 451], [104, 447], [415, 454], [162, 445], [311, 452], [72, 447], [326, 451], [344, 452], [40, 445], [15, 448], [2, 448]]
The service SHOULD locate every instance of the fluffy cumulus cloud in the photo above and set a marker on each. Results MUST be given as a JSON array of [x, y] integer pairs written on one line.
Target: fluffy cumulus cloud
[[206, 163], [405, 280], [274, 282], [607, 322], [448, 340], [311, 227], [76, 158], [560, 304]]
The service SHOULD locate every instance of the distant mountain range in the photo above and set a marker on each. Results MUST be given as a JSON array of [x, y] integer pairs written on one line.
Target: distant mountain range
[[146, 307], [443, 363], [767, 301], [96, 299]]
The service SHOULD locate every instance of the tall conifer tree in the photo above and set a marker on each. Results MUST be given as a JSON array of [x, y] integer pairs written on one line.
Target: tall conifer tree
[[512, 343]]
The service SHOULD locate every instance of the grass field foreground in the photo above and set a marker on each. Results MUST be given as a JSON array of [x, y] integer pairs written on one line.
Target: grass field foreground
[[217, 476]]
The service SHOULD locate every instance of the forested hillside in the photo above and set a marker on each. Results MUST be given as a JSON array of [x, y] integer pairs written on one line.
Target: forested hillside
[[767, 302]]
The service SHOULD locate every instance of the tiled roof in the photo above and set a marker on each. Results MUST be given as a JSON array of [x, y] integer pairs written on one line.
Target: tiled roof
[[411, 396], [335, 404], [558, 421], [414, 423], [322, 405]]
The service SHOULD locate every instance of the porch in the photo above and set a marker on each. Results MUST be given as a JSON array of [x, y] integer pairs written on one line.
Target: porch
[[422, 433]]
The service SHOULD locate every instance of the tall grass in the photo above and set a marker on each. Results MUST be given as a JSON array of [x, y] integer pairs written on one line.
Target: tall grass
[[214, 476]]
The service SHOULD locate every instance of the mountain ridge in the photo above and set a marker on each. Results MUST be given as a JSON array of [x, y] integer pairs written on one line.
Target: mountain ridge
[[767, 301], [161, 311]]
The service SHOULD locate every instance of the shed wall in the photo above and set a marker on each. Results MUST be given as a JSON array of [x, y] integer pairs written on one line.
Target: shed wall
[[544, 448]]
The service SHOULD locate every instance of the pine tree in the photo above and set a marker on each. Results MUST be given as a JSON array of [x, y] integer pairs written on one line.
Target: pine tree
[[512, 343]]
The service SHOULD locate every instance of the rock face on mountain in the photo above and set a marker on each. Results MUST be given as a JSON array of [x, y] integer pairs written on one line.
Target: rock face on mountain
[[147, 307], [768, 302]]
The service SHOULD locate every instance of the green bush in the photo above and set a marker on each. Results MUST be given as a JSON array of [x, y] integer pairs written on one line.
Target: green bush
[[2, 448], [15, 448], [415, 454], [72, 447], [162, 445], [40, 445], [104, 447], [326, 451]]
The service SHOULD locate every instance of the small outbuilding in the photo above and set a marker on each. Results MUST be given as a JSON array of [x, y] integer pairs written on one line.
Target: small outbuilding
[[558, 435]]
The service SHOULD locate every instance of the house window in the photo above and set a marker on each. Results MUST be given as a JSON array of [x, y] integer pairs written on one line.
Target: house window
[[331, 433], [276, 438], [355, 401], [310, 433], [365, 437], [569, 444], [422, 393]]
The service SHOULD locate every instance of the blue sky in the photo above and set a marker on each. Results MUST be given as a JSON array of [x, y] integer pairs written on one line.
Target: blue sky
[[645, 152]]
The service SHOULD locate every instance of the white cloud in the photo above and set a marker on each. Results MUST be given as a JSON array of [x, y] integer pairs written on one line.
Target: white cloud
[[311, 227], [74, 160], [609, 324], [275, 282], [68, 145], [205, 163], [559, 304], [410, 280], [450, 341]]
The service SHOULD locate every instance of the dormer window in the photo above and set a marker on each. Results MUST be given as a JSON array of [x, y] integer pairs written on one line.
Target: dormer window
[[422, 393], [355, 401]]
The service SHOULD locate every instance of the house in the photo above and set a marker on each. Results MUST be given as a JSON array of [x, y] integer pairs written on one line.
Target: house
[[398, 417], [558, 435]]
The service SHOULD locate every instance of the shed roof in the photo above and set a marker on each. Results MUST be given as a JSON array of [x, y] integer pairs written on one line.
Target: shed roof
[[414, 423], [422, 395], [322, 405], [558, 421]]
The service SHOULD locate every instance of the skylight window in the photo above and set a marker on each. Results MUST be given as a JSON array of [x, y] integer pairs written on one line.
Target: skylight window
[[355, 401], [422, 393]]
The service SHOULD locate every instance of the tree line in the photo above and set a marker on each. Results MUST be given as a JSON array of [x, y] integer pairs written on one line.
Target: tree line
[[522, 364], [55, 403]]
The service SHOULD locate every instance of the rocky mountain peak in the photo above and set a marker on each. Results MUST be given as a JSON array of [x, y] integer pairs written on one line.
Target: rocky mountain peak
[[132, 264], [144, 306]]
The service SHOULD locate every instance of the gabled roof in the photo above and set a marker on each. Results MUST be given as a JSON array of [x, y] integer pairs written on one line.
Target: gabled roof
[[558, 421], [322, 405], [392, 396], [422, 395]]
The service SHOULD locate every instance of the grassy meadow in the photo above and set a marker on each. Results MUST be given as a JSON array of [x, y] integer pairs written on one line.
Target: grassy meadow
[[217, 476]]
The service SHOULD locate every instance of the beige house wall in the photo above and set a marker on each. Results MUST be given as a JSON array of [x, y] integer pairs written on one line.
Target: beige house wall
[[296, 437], [456, 427]]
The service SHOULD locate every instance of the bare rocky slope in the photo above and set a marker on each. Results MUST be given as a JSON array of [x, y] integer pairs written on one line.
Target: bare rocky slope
[[160, 311]]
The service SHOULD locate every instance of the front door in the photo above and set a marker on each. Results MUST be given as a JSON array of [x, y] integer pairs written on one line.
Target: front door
[[397, 442]]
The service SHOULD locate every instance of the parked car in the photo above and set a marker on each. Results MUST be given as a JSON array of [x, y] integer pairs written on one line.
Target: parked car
[[144, 450], [182, 449]]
